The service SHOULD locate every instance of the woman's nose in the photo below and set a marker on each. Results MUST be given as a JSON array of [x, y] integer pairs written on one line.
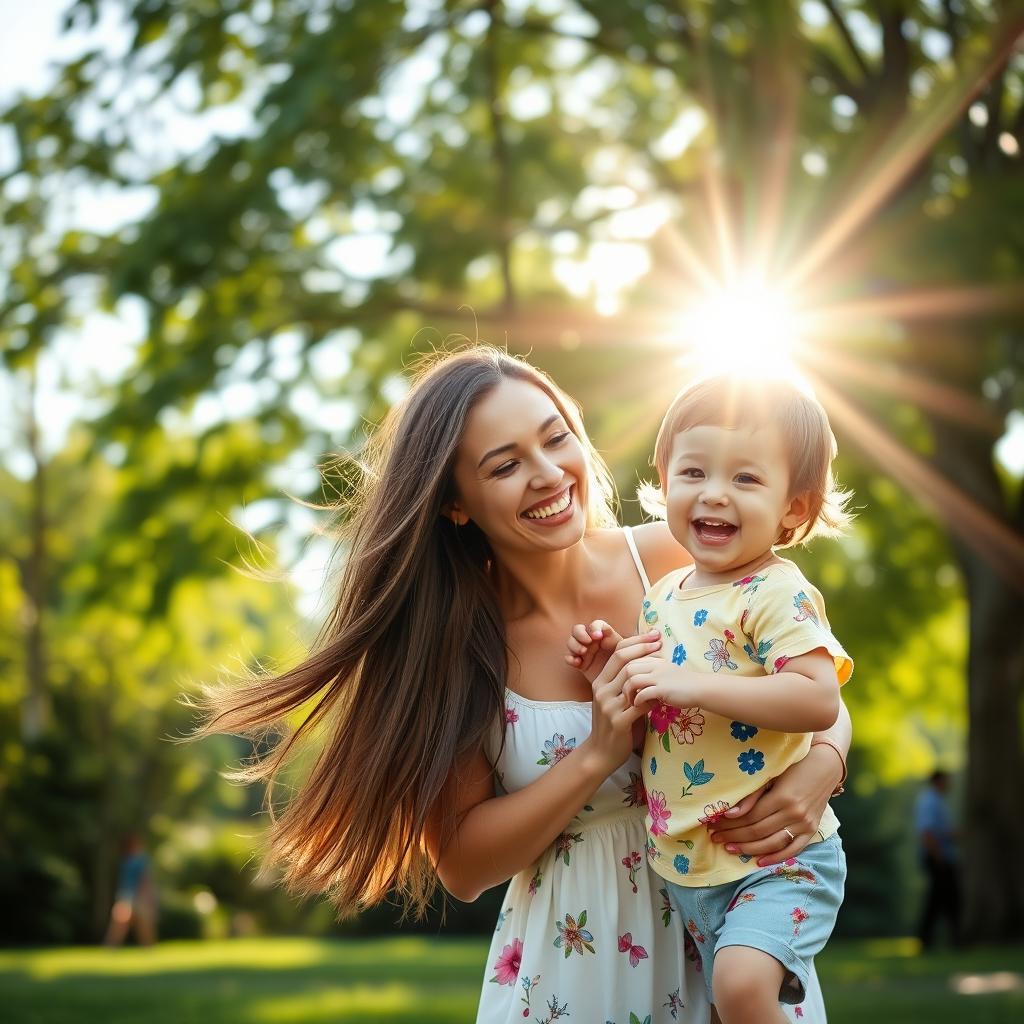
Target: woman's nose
[[546, 473]]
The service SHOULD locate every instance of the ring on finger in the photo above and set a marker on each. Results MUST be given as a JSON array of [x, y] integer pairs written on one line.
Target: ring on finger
[[792, 838]]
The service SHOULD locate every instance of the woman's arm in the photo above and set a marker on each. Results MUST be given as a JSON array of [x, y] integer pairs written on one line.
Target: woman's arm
[[497, 836], [795, 801]]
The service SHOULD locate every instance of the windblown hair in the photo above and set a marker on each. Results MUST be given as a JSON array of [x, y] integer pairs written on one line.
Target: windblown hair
[[737, 401], [406, 678]]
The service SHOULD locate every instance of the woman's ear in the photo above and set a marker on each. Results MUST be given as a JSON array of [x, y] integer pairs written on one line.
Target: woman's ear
[[799, 511], [455, 514]]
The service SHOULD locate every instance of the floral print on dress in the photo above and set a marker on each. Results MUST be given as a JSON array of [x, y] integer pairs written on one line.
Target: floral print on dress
[[804, 609], [699, 936], [556, 748], [636, 953], [681, 863], [658, 813], [636, 794], [501, 918], [674, 1004], [668, 908], [799, 915], [573, 936], [661, 716], [535, 882], [555, 1012], [718, 652], [751, 761], [700, 616], [631, 862], [678, 654], [650, 615], [511, 716], [529, 984], [564, 844], [506, 967]]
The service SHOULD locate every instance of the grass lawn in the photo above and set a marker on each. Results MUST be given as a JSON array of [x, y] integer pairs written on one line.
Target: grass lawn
[[406, 980]]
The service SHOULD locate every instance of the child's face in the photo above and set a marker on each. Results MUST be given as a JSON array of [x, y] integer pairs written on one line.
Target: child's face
[[727, 495]]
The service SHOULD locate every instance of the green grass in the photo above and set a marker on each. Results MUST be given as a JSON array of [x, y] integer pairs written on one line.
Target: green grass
[[406, 980]]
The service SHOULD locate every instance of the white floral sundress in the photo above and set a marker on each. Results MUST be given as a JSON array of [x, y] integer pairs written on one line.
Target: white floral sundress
[[587, 934]]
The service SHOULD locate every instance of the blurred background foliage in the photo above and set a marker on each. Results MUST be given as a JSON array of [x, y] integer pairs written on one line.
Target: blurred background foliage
[[228, 228]]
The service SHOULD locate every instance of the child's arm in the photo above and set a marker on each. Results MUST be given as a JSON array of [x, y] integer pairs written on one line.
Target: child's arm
[[591, 646], [803, 697]]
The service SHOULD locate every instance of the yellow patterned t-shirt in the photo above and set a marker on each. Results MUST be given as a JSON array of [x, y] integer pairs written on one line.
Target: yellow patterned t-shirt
[[698, 764]]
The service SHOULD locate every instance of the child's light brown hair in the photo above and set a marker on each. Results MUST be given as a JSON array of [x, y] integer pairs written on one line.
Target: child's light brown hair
[[731, 402]]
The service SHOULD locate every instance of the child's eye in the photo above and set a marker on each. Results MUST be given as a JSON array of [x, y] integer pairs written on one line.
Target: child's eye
[[747, 478], [557, 439], [692, 473]]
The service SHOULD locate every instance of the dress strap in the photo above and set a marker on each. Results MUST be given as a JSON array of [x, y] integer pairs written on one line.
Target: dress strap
[[631, 543]]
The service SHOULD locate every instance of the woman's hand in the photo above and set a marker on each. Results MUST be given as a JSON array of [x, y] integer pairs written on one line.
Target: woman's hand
[[612, 714], [777, 821]]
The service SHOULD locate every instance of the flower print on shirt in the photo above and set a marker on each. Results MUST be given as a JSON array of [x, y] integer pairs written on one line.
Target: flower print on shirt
[[695, 776], [535, 882], [743, 897], [678, 654], [718, 652], [658, 812], [511, 716], [689, 724], [506, 967], [681, 863], [555, 749], [713, 813], [751, 761], [661, 716], [750, 583], [700, 616], [804, 609], [555, 1011], [649, 614], [501, 918], [636, 953], [742, 732], [636, 795], [573, 936], [799, 915]]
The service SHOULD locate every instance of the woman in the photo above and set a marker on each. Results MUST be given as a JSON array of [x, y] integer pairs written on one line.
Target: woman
[[455, 743]]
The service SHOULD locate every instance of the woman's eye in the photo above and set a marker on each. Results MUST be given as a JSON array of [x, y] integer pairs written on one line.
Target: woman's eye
[[505, 468], [557, 439]]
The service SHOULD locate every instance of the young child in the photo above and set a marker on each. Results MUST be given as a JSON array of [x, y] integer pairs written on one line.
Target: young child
[[748, 669]]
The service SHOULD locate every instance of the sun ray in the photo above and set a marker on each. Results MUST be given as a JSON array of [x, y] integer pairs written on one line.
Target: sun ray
[[973, 524], [910, 142]]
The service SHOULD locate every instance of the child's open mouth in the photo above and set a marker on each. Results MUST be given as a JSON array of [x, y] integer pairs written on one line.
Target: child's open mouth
[[713, 531]]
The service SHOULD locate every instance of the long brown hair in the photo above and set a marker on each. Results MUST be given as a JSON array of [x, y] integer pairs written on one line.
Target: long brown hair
[[406, 677]]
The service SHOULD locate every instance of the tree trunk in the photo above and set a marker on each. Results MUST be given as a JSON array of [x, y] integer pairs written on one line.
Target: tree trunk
[[993, 821], [35, 708]]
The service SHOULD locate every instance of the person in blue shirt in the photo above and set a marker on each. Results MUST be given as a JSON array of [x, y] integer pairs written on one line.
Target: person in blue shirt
[[936, 838], [135, 904]]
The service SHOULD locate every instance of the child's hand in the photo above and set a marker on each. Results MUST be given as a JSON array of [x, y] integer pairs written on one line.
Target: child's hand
[[590, 647], [652, 678]]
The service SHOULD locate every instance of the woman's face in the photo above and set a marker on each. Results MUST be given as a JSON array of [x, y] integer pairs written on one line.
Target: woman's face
[[521, 473]]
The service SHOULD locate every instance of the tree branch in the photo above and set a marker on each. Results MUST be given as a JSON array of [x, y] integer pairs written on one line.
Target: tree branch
[[847, 37]]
